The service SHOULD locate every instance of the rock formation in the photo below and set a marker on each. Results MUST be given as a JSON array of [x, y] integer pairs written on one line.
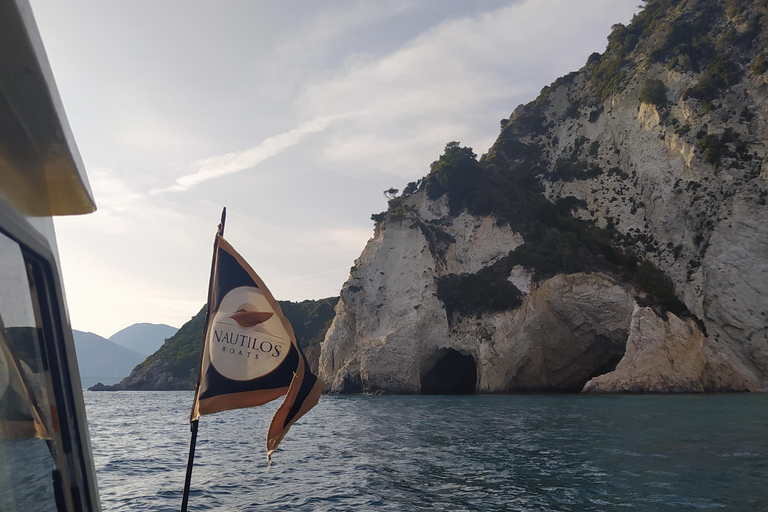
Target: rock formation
[[669, 356], [615, 235]]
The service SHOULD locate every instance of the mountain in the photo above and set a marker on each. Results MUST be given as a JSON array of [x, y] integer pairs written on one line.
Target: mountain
[[613, 239], [175, 364], [100, 360], [144, 338]]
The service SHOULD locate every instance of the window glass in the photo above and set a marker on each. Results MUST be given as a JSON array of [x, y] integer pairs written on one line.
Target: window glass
[[29, 439]]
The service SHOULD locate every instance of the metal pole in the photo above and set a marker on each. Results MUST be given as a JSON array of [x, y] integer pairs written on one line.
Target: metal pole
[[190, 462], [193, 423]]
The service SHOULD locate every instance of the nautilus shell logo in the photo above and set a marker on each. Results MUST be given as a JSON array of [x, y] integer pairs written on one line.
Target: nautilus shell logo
[[247, 316], [247, 340]]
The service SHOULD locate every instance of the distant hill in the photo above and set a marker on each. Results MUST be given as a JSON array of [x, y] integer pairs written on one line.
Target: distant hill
[[144, 338], [174, 365], [101, 360]]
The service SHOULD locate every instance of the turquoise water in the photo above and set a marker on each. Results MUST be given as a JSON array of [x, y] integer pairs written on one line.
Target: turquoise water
[[442, 453]]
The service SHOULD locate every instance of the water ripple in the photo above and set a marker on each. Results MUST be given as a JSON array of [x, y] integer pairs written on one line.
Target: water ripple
[[475, 453]]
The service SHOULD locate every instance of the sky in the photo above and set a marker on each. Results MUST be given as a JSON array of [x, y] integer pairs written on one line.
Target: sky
[[295, 115]]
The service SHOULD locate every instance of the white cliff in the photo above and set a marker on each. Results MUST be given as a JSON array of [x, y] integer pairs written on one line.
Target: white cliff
[[680, 182], [708, 228], [391, 328], [389, 315], [670, 356]]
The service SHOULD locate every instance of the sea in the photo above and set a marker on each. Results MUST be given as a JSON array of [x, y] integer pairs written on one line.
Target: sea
[[442, 453]]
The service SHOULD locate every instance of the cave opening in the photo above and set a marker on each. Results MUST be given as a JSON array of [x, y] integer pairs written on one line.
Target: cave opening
[[452, 374]]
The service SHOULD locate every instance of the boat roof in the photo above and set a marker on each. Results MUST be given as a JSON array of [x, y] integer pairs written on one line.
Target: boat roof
[[41, 172]]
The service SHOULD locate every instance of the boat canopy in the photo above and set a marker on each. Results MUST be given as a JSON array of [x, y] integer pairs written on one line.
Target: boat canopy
[[41, 173]]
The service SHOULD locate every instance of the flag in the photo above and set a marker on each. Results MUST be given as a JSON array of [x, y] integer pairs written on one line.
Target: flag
[[250, 355]]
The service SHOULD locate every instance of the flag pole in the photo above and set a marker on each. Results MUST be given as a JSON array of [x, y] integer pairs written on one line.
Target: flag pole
[[193, 423]]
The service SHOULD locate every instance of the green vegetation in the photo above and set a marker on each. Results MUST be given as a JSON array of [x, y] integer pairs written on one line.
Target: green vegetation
[[728, 145], [572, 169], [568, 246], [439, 241], [543, 97], [617, 171], [379, 217], [760, 65], [504, 185], [712, 147], [455, 173], [411, 187], [610, 71], [521, 152], [720, 75], [595, 114], [484, 292], [686, 44], [607, 77], [396, 207], [741, 39], [682, 37], [182, 350], [561, 81], [310, 320], [391, 193], [582, 247], [653, 92], [660, 290]]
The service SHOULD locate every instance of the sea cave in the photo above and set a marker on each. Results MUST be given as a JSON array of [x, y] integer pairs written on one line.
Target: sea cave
[[453, 373]]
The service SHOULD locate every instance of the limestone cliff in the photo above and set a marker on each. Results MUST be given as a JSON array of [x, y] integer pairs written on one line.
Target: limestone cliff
[[616, 231]]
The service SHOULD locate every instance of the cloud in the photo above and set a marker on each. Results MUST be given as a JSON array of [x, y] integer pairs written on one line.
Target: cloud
[[317, 33], [436, 71], [112, 192], [230, 163], [438, 86], [393, 114], [400, 155], [132, 252]]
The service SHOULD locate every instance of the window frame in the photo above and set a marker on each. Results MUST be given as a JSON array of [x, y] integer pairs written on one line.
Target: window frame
[[58, 348]]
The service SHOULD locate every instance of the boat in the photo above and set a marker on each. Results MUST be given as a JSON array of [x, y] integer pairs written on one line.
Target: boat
[[46, 461]]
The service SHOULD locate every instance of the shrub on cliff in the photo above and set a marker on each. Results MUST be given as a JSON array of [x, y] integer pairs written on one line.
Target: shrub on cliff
[[722, 74], [486, 291], [479, 187], [454, 173], [760, 65], [503, 185], [659, 289], [573, 169], [653, 92]]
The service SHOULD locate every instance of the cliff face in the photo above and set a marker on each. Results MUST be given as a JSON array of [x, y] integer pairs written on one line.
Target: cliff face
[[645, 268]]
